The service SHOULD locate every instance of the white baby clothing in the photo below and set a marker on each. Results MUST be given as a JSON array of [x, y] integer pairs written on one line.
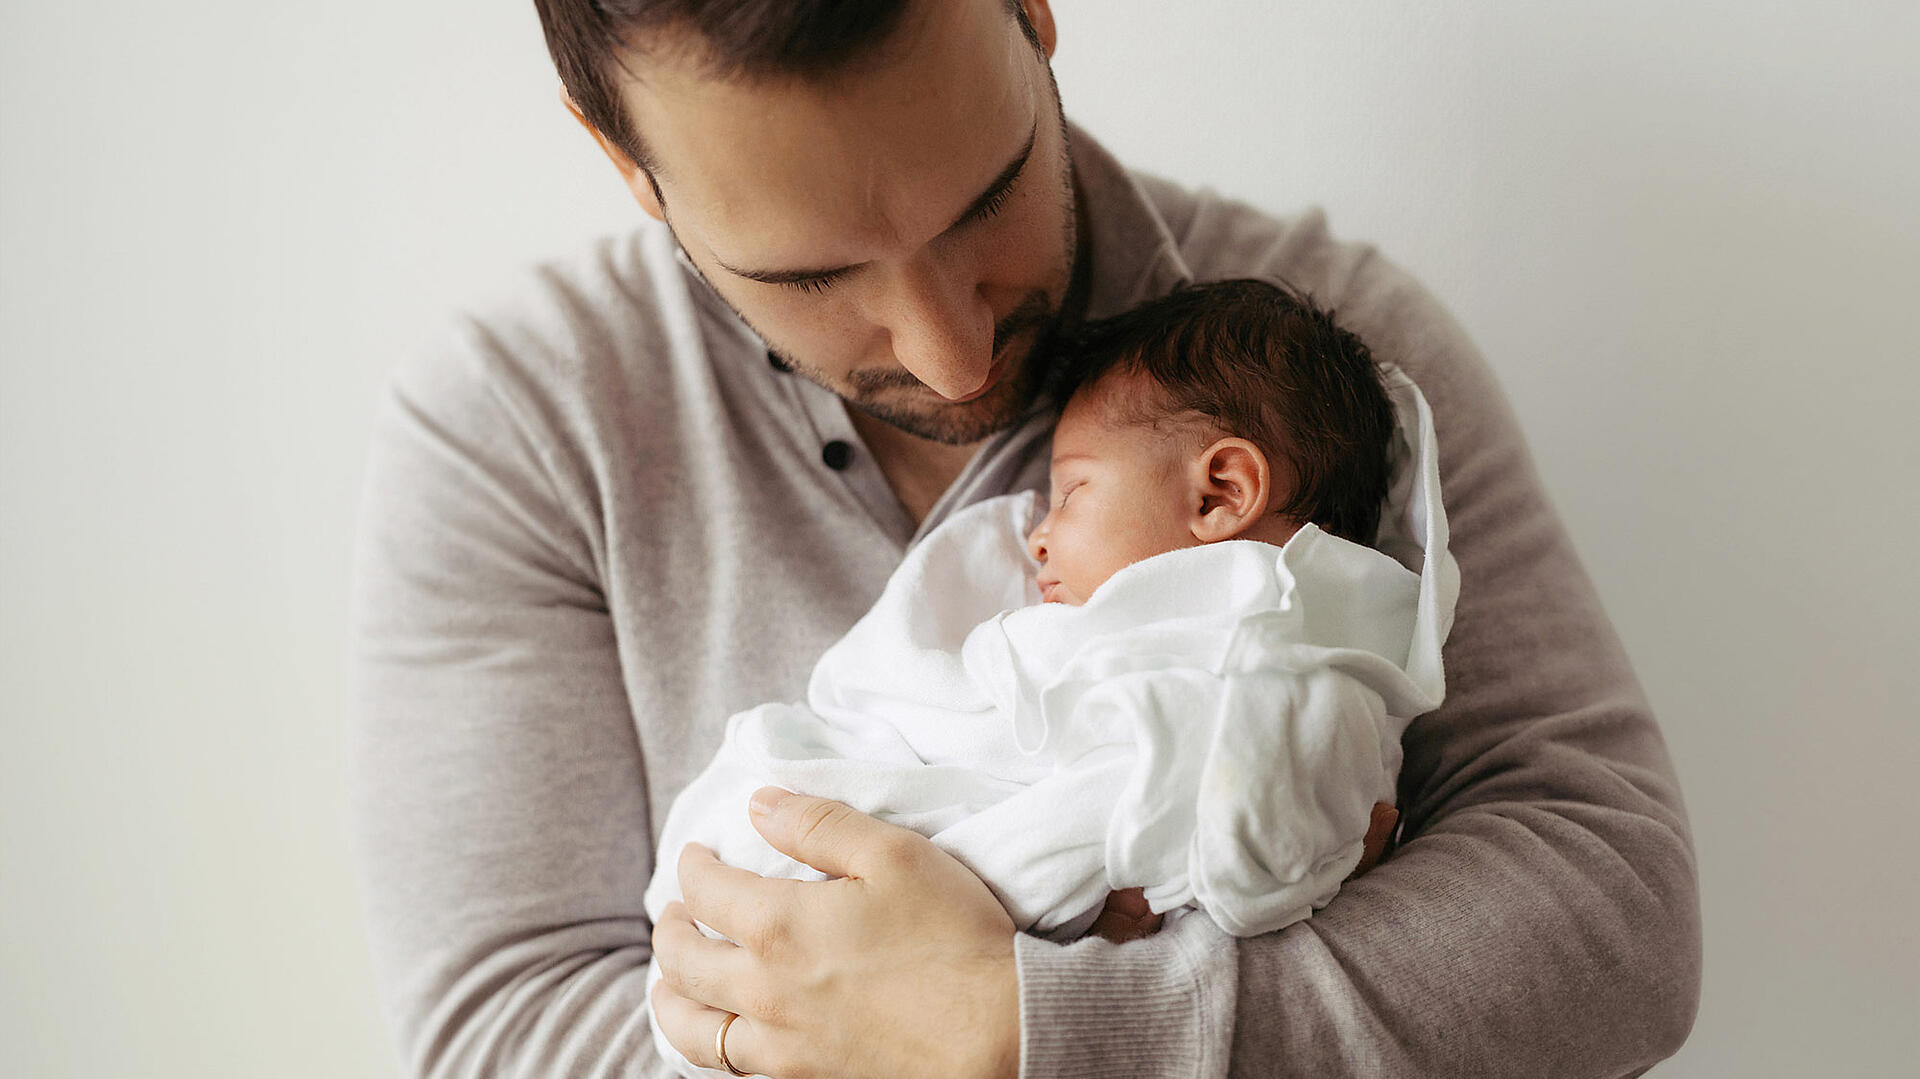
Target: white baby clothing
[[1214, 725]]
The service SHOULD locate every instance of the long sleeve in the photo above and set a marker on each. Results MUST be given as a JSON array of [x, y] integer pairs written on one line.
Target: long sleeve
[[498, 801], [1541, 916]]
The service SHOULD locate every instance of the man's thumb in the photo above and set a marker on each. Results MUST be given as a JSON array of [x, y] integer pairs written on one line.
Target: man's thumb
[[830, 836]]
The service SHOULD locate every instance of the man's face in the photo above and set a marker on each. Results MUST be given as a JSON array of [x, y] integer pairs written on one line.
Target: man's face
[[901, 232], [1121, 493]]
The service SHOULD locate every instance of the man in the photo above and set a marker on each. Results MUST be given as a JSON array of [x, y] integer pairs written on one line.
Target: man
[[651, 489]]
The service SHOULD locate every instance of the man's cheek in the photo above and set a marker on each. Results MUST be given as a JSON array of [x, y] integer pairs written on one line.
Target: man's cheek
[[1021, 249], [831, 340]]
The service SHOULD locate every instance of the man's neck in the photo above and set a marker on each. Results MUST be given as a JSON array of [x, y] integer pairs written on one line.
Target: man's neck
[[918, 470]]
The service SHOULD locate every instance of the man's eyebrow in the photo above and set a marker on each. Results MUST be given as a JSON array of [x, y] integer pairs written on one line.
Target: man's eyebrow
[[975, 209], [1000, 183]]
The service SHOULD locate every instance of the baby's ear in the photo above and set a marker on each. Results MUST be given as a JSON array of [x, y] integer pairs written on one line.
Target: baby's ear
[[1232, 487]]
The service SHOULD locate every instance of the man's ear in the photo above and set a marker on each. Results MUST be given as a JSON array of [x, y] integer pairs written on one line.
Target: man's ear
[[1040, 16], [636, 178], [1232, 485]]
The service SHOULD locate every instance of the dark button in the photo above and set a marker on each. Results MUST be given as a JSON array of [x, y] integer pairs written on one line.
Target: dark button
[[778, 363], [837, 454]]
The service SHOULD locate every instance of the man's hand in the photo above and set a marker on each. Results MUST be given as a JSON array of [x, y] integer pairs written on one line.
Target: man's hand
[[902, 968], [1127, 917], [1379, 833]]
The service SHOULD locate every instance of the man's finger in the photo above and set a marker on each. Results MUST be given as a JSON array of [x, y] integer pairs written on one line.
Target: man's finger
[[1120, 928], [743, 905], [692, 1027], [1126, 916], [1131, 902], [1379, 832], [704, 970], [830, 836]]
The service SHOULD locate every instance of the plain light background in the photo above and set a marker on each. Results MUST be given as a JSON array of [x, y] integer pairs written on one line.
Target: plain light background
[[1684, 234]]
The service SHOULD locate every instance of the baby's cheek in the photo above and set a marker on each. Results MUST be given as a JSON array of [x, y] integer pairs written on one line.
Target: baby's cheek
[[1088, 584], [1114, 560]]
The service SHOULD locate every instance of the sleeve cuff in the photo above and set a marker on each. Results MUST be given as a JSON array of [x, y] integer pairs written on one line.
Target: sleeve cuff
[[1163, 1006]]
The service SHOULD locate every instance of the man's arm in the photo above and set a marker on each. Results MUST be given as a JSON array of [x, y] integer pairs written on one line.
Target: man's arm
[[499, 810], [1540, 920], [1542, 915]]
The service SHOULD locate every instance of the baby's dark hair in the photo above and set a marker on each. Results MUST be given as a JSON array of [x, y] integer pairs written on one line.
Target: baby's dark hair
[[1266, 364]]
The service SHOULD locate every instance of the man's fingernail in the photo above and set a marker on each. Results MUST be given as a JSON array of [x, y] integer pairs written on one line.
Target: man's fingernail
[[766, 798]]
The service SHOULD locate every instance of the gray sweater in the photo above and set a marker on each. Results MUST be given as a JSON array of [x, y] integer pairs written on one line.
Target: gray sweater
[[597, 522]]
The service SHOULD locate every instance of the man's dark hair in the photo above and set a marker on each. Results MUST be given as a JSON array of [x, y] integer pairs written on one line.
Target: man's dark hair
[[748, 39], [1263, 363]]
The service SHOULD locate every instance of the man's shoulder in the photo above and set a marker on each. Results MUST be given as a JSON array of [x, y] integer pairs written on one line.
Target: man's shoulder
[[1219, 237], [563, 316], [568, 367], [572, 333]]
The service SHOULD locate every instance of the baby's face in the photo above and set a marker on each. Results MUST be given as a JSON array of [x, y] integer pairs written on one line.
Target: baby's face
[[1120, 494]]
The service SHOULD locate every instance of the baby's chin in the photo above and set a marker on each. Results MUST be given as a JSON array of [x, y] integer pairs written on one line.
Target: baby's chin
[[1060, 593]]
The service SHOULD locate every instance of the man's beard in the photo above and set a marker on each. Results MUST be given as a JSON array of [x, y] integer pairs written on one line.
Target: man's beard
[[1024, 344]]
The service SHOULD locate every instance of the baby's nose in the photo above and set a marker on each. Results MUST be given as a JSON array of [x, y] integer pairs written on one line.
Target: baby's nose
[[1037, 542]]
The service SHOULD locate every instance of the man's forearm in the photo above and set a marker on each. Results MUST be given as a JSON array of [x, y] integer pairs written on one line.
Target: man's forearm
[[1157, 1008], [1518, 940]]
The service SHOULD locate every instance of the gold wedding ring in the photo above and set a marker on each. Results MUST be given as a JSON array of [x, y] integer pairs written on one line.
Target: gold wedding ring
[[720, 1047]]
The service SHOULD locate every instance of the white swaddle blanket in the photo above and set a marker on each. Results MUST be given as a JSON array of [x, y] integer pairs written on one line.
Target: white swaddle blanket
[[1213, 726]]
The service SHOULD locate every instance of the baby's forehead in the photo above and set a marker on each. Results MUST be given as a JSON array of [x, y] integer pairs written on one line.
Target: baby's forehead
[[1120, 450], [1089, 431], [1110, 406], [1116, 426], [1129, 399], [1091, 435]]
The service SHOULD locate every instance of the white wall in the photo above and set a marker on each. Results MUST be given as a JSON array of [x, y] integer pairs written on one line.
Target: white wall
[[1684, 233]]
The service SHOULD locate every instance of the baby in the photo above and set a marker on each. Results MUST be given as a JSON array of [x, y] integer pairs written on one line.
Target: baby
[[1197, 481], [1186, 683]]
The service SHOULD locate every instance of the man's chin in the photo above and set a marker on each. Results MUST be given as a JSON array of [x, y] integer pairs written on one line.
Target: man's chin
[[946, 422]]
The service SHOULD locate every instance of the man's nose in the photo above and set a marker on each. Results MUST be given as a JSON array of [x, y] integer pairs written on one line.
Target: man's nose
[[942, 328]]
